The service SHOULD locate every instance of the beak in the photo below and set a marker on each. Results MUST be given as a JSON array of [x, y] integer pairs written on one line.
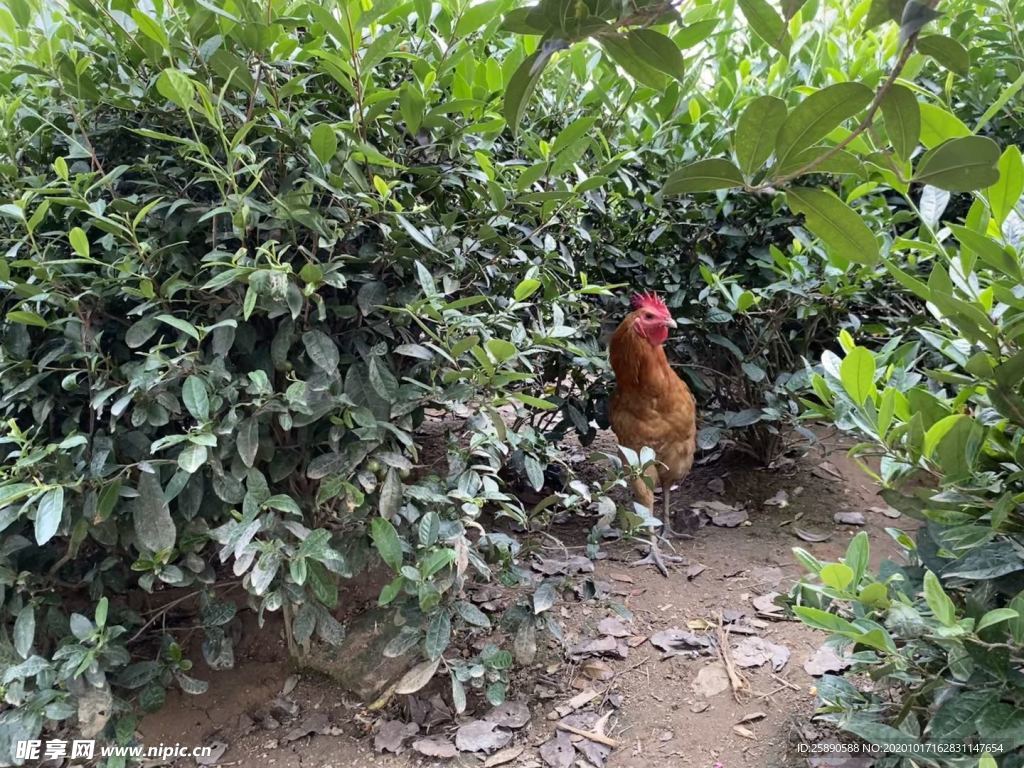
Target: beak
[[670, 323]]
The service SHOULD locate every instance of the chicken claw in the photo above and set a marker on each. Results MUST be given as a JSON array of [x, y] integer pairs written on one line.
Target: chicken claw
[[656, 558]]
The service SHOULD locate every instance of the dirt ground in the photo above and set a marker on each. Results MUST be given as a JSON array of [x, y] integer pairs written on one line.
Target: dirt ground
[[658, 712]]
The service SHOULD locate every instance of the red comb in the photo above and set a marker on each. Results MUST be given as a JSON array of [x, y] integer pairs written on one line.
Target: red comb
[[648, 301]]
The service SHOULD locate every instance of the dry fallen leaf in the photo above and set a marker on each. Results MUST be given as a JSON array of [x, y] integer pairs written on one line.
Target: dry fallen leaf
[[811, 536], [699, 706], [596, 669], [752, 717], [621, 577], [746, 733], [390, 738], [780, 500], [825, 660], [511, 714], [559, 751], [435, 746], [669, 640], [503, 756], [597, 647], [694, 571], [887, 511], [217, 750], [711, 680], [613, 626], [481, 736], [723, 515], [849, 518], [828, 471], [765, 604], [754, 651]]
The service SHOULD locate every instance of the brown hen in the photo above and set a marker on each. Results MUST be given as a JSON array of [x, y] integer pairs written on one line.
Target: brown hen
[[652, 406]]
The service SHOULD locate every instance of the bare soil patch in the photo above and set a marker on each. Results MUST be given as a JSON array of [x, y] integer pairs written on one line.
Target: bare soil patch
[[658, 708]]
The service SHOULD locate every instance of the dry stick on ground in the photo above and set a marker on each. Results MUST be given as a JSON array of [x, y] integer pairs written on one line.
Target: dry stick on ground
[[600, 738], [736, 680]]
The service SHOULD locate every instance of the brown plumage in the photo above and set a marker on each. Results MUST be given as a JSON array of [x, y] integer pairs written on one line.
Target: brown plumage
[[651, 405]]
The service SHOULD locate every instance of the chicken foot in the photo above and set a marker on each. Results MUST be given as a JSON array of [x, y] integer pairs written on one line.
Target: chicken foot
[[656, 558]]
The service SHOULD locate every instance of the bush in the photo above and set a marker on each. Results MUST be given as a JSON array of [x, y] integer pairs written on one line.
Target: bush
[[942, 409]]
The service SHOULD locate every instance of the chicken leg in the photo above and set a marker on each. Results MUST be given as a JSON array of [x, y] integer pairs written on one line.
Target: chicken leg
[[654, 556]]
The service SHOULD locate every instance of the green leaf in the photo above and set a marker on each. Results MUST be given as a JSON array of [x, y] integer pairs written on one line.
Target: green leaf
[[248, 440], [324, 142], [390, 495], [428, 529], [857, 555], [819, 619], [939, 125], [476, 16], [182, 325], [817, 116], [500, 349], [196, 398], [939, 430], [27, 318], [902, 115], [996, 616], [571, 134], [25, 631], [79, 242], [938, 600], [960, 165], [154, 528], [521, 85], [767, 24], [947, 51], [192, 457], [703, 176], [48, 514], [857, 372], [175, 86], [526, 289], [657, 50], [621, 51], [472, 615], [383, 380], [438, 635], [756, 132], [321, 350], [836, 575], [839, 227], [283, 503], [1005, 193], [1017, 625], [385, 540]]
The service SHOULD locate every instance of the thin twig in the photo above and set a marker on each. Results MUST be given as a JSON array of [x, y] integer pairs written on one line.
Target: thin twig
[[736, 680], [600, 738]]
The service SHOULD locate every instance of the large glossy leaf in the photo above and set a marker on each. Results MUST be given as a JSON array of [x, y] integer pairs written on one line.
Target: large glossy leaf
[[756, 132], [960, 165], [843, 231], [818, 115], [657, 51], [703, 176], [947, 51], [523, 81], [902, 115], [154, 528], [767, 24], [1006, 192]]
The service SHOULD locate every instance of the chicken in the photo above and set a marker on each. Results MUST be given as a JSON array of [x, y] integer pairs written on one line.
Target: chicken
[[651, 406]]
